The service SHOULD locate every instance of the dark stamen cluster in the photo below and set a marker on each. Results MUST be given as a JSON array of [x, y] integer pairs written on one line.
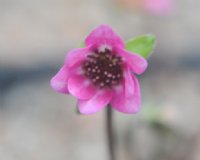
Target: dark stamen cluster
[[104, 69]]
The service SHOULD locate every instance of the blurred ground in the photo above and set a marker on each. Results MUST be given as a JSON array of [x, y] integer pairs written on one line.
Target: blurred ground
[[37, 123]]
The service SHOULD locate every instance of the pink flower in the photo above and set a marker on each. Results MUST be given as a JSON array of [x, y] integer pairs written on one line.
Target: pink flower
[[159, 7], [156, 7], [102, 73]]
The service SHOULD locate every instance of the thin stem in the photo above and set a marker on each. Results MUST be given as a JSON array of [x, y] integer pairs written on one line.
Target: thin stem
[[110, 132]]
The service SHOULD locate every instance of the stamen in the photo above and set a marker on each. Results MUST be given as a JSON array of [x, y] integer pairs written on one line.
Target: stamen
[[97, 77], [103, 68]]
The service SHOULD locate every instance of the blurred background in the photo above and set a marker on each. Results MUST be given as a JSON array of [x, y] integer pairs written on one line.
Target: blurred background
[[38, 124]]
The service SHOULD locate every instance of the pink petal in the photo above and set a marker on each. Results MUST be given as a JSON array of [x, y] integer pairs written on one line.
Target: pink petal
[[129, 86], [126, 100], [96, 103], [104, 35], [76, 56], [137, 63], [81, 87], [59, 81]]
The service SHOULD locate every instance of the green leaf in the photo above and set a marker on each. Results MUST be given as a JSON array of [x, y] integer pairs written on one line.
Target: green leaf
[[82, 45], [142, 45]]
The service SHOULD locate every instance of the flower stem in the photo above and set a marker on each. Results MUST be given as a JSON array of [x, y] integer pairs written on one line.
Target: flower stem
[[110, 133]]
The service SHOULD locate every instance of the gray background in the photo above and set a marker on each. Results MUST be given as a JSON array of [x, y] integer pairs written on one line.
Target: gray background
[[38, 124]]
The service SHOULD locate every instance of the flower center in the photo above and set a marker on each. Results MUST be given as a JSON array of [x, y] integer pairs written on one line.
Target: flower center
[[103, 68]]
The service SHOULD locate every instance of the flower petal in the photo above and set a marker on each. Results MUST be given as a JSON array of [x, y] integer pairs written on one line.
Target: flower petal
[[81, 87], [59, 81], [96, 103], [76, 56], [104, 35], [128, 83], [136, 62], [126, 100]]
